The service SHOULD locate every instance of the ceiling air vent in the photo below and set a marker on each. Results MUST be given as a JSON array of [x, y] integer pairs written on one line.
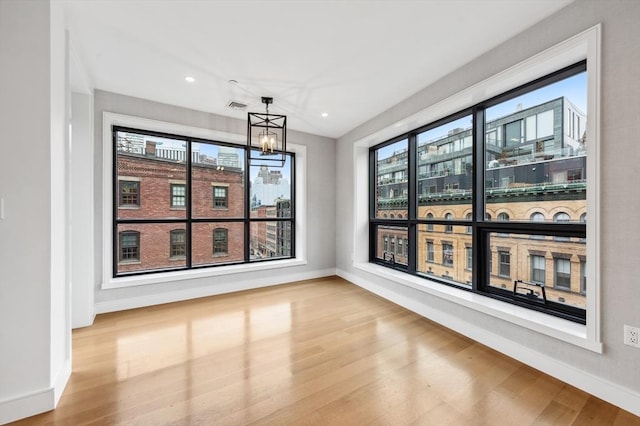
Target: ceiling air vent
[[236, 105]]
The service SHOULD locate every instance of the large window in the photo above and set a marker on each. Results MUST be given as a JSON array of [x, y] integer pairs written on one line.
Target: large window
[[505, 181], [182, 203]]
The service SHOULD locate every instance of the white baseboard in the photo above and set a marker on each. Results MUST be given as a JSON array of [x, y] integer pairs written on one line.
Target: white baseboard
[[36, 402], [27, 405], [615, 394], [61, 380], [212, 290]]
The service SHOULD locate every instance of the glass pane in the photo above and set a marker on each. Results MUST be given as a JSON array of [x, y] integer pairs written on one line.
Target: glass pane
[[444, 167], [217, 182], [445, 253], [392, 173], [270, 240], [214, 243], [145, 247], [392, 244], [536, 152], [558, 265], [271, 189], [150, 172]]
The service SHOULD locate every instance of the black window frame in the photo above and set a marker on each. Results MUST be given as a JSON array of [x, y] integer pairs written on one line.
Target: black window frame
[[189, 220], [483, 228]]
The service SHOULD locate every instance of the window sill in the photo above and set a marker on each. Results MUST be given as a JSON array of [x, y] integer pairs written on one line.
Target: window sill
[[163, 277], [564, 330]]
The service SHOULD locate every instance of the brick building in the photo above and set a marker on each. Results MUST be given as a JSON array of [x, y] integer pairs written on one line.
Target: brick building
[[152, 187]]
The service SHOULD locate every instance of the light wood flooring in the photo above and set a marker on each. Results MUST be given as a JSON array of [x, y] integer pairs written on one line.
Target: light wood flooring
[[318, 352]]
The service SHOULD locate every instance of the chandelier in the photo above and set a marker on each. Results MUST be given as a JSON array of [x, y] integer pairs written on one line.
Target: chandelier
[[267, 137]]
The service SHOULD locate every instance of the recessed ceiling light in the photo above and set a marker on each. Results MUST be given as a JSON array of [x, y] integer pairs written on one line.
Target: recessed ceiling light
[[189, 79], [324, 114]]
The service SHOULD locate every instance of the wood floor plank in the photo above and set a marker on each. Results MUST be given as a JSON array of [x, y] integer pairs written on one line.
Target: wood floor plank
[[316, 352]]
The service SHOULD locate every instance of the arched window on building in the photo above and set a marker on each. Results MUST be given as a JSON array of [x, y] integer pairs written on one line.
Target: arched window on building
[[448, 228], [537, 217], [561, 217], [503, 217], [469, 228], [430, 225]]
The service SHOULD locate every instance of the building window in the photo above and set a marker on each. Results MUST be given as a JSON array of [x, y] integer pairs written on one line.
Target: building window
[[178, 244], [430, 252], [583, 277], [400, 250], [503, 217], [129, 246], [448, 228], [129, 193], [392, 244], [220, 242], [517, 139], [538, 269], [504, 264], [447, 254], [385, 243], [406, 247], [220, 197], [561, 218], [563, 273], [178, 195]]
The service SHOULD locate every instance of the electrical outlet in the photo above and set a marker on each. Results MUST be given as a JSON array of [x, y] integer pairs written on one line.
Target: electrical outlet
[[632, 336]]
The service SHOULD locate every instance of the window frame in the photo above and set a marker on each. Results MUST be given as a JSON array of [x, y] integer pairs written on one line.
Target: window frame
[[482, 228], [175, 246], [216, 249], [112, 129], [173, 196], [121, 195], [220, 203], [121, 247]]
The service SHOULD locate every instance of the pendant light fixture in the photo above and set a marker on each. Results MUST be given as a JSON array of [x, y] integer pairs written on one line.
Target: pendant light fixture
[[267, 137]]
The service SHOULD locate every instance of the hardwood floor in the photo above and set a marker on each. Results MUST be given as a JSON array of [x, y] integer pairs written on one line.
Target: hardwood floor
[[319, 352]]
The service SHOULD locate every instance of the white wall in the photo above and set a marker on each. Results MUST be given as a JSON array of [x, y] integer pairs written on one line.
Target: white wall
[[82, 276], [34, 346], [320, 209], [615, 374]]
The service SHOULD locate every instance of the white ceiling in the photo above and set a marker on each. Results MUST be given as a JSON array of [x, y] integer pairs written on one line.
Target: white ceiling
[[349, 59]]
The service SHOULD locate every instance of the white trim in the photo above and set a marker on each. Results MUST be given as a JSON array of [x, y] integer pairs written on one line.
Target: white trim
[[561, 329], [61, 380], [194, 293], [27, 405], [585, 45], [108, 282], [36, 402], [615, 394]]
